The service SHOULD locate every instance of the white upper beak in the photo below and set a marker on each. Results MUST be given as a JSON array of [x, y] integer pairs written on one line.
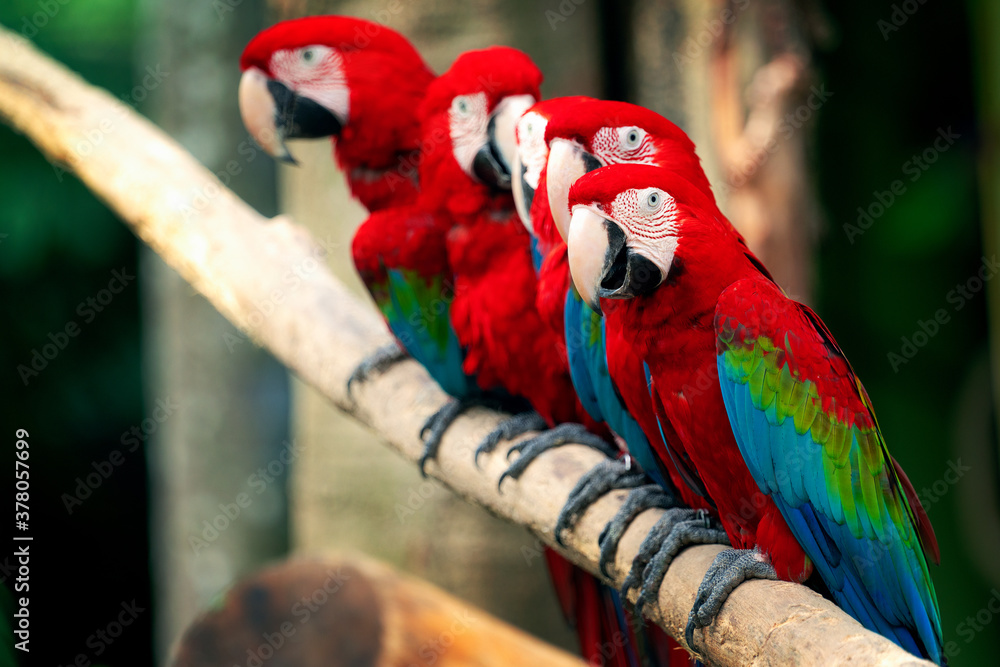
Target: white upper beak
[[587, 246], [258, 111], [505, 117], [565, 166]]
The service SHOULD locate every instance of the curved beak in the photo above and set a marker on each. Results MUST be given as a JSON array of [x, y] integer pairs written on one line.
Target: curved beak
[[602, 264], [568, 161], [492, 164], [272, 113]]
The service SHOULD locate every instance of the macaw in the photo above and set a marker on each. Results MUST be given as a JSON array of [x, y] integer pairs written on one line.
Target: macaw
[[364, 85], [468, 116], [353, 80], [468, 119], [781, 431], [359, 83], [583, 331], [566, 314], [591, 135]]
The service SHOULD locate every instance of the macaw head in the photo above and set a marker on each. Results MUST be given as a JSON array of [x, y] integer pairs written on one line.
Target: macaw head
[[470, 112], [602, 133], [531, 156], [334, 76], [628, 223]]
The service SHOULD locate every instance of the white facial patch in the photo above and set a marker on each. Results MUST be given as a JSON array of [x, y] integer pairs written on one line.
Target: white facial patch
[[467, 121], [505, 116], [648, 217], [623, 145], [316, 72]]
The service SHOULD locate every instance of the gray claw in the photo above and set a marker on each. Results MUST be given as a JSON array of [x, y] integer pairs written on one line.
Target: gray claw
[[639, 500], [508, 429], [376, 362], [435, 426], [606, 476], [729, 569], [562, 434], [676, 529]]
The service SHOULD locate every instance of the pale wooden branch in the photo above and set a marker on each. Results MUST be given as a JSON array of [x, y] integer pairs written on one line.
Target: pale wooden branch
[[267, 278]]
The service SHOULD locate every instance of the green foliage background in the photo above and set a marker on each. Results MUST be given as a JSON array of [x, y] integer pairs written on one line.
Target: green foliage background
[[59, 248]]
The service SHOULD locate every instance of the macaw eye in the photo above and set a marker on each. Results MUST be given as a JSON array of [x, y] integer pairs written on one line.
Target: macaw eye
[[460, 105], [309, 55], [632, 138], [652, 202]]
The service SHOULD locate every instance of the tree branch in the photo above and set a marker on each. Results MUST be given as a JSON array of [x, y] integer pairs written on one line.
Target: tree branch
[[269, 279]]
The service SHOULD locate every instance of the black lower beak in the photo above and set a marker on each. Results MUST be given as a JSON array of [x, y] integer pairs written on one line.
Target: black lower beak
[[527, 192], [590, 163], [489, 166], [298, 117], [627, 274]]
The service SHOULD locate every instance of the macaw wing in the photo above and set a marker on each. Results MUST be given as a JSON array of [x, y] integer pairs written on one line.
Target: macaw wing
[[680, 462], [401, 256], [584, 343], [588, 366], [806, 429]]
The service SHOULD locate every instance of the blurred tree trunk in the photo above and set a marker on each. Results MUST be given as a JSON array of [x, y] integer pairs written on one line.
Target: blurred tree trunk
[[735, 75], [233, 397], [349, 491]]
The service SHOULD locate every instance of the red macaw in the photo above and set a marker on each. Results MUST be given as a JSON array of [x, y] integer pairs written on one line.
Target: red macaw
[[310, 78], [590, 135], [782, 433], [353, 80], [583, 332], [359, 83], [468, 115]]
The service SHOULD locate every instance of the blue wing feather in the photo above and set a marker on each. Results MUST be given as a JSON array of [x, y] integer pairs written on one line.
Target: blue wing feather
[[588, 362], [839, 493]]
